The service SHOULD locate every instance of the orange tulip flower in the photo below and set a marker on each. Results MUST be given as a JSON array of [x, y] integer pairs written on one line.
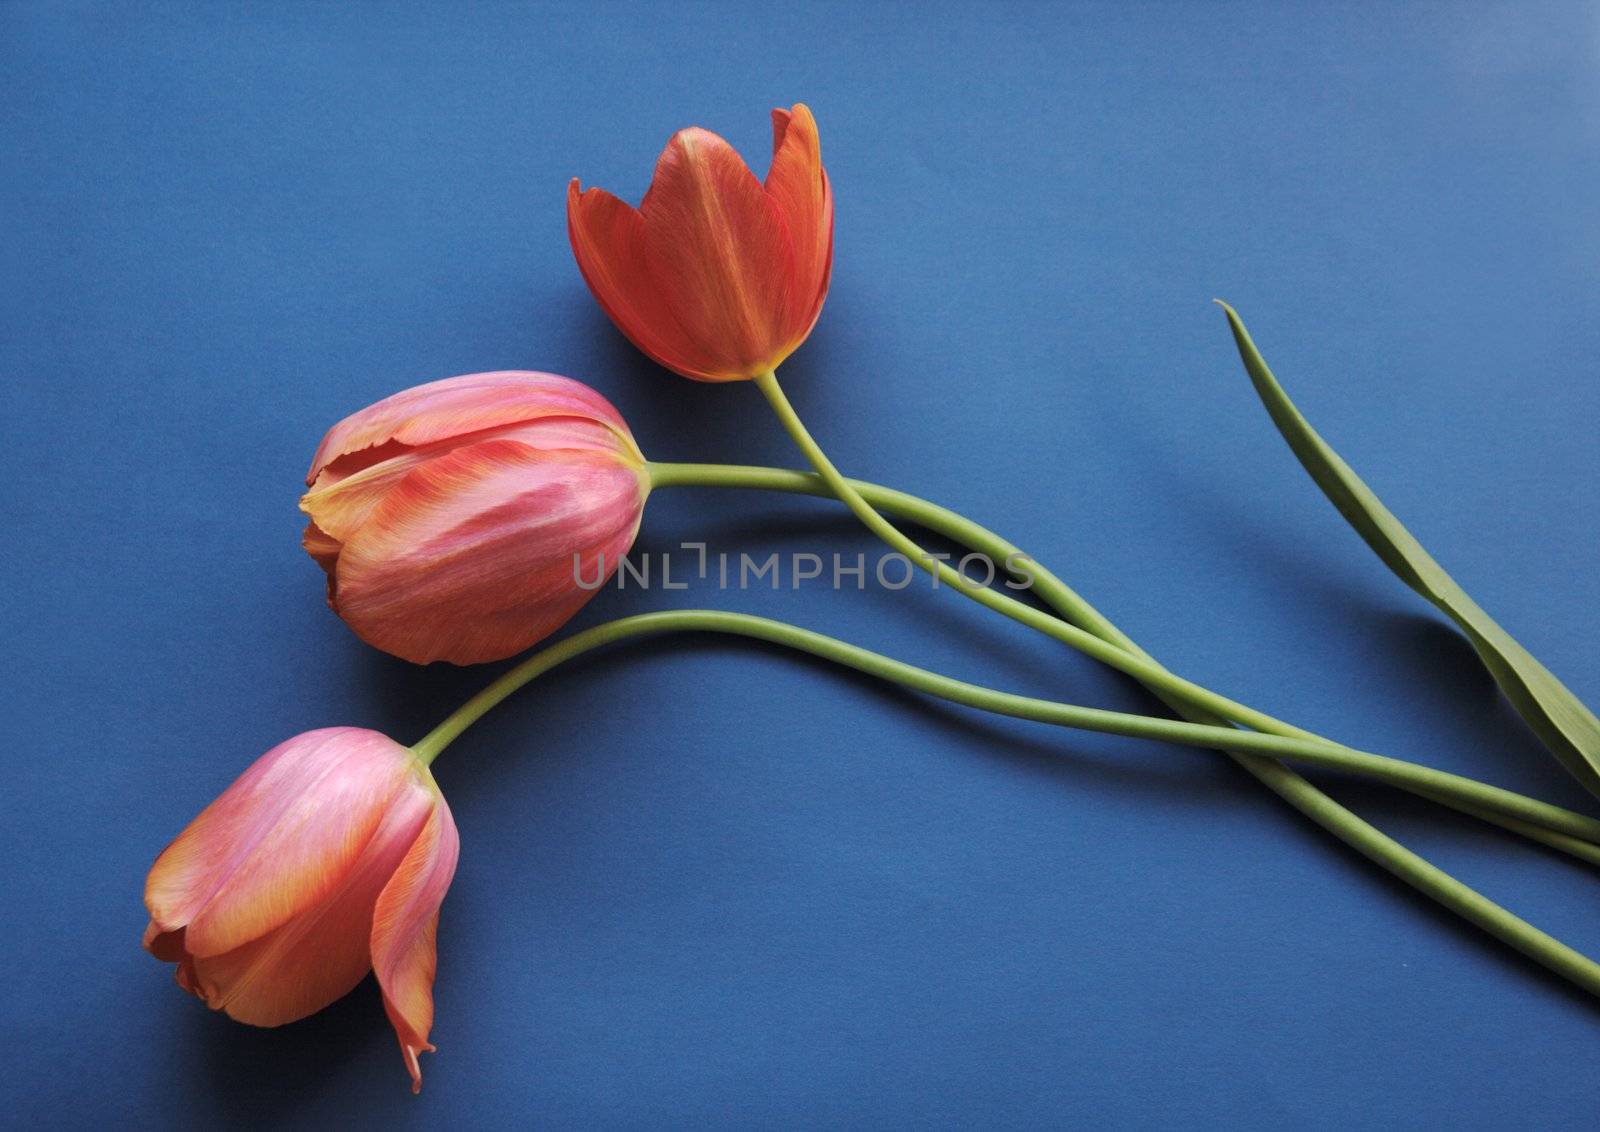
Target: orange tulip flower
[[328, 858], [715, 275]]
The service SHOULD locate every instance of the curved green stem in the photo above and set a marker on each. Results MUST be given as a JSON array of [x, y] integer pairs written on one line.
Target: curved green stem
[[1535, 943], [1127, 657], [1316, 752], [1571, 832], [1130, 662]]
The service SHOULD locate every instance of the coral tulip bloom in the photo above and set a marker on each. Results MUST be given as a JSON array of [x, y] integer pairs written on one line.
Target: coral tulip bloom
[[455, 519], [715, 275], [328, 858]]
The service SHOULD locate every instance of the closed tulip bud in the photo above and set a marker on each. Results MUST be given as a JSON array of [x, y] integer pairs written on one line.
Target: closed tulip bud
[[456, 519], [715, 275], [328, 858]]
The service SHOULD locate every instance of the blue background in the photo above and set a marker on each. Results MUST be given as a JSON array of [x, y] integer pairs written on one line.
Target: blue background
[[707, 884]]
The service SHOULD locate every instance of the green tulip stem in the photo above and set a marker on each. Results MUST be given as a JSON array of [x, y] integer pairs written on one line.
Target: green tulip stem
[[1573, 832], [1133, 663], [1520, 934], [1084, 628], [1469, 793]]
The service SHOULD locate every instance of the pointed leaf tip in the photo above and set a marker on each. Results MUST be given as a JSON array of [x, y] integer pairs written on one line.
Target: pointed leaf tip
[[1561, 721]]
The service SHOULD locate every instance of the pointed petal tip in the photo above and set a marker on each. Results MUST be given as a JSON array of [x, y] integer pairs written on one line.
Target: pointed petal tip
[[587, 203], [413, 1066], [797, 115]]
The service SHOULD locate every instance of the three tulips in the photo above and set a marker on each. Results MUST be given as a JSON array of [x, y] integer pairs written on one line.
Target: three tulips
[[454, 522]]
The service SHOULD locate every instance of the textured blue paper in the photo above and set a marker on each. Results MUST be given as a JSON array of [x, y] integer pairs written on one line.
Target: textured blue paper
[[707, 884]]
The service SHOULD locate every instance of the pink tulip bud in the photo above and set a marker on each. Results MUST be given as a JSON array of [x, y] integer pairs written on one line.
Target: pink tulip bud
[[455, 519], [328, 858]]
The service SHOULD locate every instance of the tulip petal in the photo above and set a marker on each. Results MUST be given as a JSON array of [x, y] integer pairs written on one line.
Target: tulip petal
[[470, 557], [338, 508], [607, 236], [450, 409], [718, 248], [404, 930], [277, 840], [799, 184], [320, 955], [322, 546]]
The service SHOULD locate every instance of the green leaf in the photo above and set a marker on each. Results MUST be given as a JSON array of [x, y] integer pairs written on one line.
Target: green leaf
[[1558, 717]]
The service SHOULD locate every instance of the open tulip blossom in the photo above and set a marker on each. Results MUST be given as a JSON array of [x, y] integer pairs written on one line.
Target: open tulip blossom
[[716, 275], [456, 520]]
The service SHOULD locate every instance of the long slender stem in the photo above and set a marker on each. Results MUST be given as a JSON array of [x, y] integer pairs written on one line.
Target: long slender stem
[[1121, 653], [1570, 831], [1130, 662], [1316, 752], [1529, 939]]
